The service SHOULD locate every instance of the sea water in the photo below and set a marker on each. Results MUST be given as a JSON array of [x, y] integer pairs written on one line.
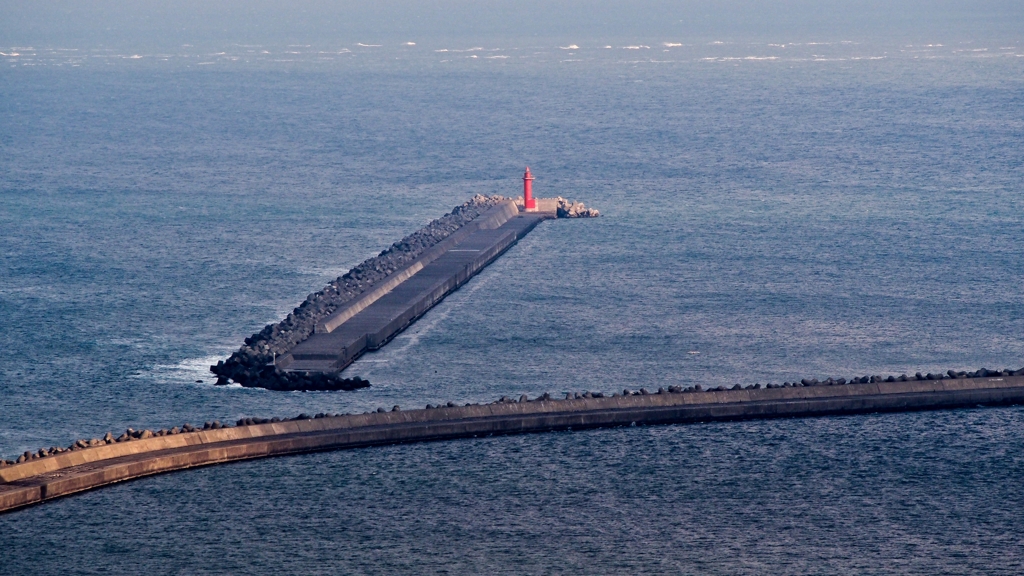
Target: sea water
[[769, 212]]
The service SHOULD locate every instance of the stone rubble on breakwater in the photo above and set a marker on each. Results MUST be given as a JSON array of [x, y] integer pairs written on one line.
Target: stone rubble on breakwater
[[573, 209], [273, 378], [252, 365], [131, 434]]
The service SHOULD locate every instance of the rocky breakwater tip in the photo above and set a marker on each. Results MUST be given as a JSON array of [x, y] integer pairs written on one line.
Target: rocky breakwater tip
[[573, 209], [253, 364], [83, 444], [562, 207]]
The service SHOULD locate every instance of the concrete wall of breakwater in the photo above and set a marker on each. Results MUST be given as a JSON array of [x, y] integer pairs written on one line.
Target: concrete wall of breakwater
[[489, 220], [372, 320], [70, 472]]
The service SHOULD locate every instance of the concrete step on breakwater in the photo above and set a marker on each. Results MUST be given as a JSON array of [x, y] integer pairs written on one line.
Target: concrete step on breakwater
[[374, 319], [42, 479]]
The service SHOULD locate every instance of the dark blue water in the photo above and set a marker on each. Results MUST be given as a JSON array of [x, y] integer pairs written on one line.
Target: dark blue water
[[770, 213]]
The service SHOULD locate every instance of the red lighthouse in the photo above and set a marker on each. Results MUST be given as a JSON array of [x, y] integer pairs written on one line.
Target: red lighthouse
[[528, 201]]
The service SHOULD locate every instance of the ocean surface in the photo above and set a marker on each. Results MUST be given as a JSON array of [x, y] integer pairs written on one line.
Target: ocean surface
[[770, 212]]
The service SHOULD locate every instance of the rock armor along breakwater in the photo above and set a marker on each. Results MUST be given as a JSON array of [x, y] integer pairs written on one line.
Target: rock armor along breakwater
[[571, 209], [253, 364], [53, 472]]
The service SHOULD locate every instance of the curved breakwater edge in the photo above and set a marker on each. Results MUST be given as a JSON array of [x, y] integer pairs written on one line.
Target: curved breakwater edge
[[102, 462]]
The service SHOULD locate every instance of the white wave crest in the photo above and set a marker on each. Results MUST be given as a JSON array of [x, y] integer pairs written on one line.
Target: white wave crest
[[187, 371]]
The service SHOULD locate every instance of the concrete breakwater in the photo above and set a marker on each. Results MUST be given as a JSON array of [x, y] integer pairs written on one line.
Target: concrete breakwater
[[98, 462], [376, 317], [363, 309], [248, 365], [571, 209]]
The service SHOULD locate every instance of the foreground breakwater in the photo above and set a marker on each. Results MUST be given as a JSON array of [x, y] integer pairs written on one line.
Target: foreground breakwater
[[90, 464], [565, 208]]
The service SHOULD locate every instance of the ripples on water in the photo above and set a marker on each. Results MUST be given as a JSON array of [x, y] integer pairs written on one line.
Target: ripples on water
[[842, 209], [920, 493]]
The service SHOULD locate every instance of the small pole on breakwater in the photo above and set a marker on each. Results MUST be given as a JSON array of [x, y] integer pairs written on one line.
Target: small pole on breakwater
[[529, 203]]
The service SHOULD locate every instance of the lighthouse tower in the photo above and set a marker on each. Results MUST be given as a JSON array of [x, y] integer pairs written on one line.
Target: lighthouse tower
[[529, 202]]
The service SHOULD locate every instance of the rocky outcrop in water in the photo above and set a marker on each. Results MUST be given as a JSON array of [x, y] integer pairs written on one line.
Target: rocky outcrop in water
[[249, 365], [273, 378], [573, 209]]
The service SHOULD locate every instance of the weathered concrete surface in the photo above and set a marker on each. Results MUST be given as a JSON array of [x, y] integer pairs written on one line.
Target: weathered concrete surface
[[46, 478], [559, 208], [489, 220], [374, 319]]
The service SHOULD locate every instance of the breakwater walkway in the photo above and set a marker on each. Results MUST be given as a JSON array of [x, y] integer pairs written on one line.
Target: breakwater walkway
[[372, 320], [40, 479]]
